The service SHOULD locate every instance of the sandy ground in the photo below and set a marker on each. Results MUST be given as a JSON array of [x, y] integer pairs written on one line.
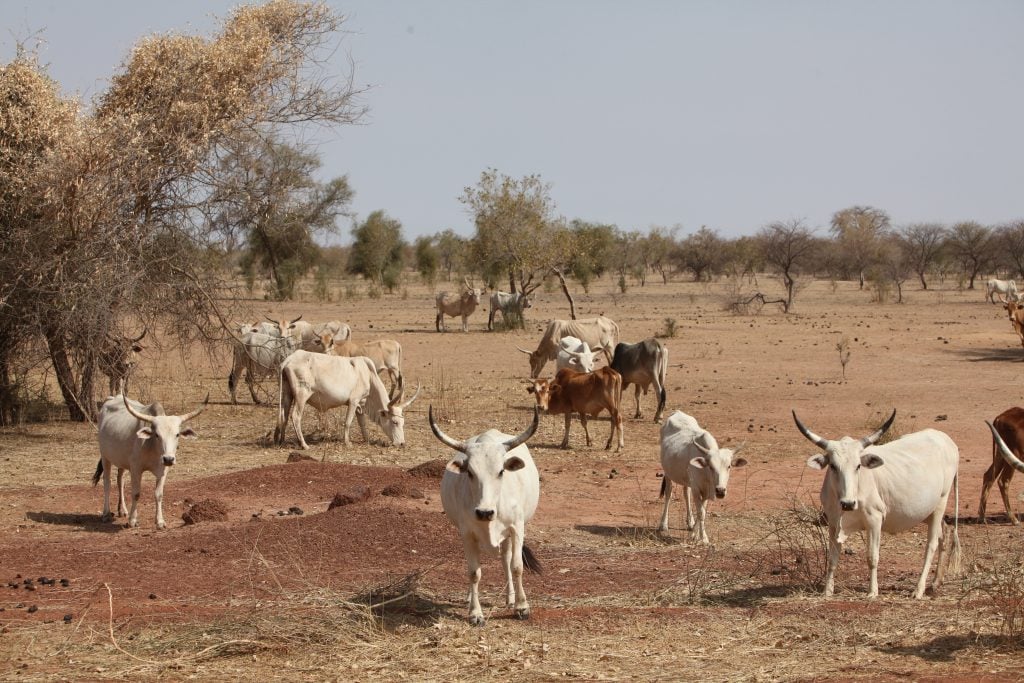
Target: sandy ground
[[225, 599]]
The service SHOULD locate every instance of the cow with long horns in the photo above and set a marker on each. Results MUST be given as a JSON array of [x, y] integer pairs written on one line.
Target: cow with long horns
[[892, 488], [1007, 446], [138, 438], [489, 493]]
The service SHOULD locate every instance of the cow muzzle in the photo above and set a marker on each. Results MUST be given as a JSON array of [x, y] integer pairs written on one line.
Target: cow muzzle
[[168, 460], [719, 493], [484, 515], [848, 505]]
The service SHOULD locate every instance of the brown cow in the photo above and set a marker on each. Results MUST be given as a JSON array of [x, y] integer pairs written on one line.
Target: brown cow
[[1016, 314], [586, 393], [1010, 425]]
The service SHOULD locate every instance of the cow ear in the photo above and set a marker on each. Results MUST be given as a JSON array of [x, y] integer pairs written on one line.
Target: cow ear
[[531, 389], [188, 433], [514, 464], [699, 462], [817, 462], [144, 433], [456, 466], [739, 462], [871, 461]]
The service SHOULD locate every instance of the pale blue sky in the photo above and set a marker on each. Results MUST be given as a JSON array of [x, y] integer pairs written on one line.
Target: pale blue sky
[[718, 113]]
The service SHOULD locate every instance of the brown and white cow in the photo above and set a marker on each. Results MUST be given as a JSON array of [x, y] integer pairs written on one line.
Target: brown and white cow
[[386, 355], [586, 393], [599, 333], [454, 305], [1009, 427]]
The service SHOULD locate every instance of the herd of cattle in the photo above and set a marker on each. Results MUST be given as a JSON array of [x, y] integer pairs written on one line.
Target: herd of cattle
[[490, 490]]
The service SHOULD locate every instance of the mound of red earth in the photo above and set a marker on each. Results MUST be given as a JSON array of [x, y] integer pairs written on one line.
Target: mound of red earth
[[296, 456], [209, 510], [430, 469], [401, 489], [351, 497]]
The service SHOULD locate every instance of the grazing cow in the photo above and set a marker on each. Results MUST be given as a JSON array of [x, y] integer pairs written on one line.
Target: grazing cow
[[489, 493], [891, 488], [118, 359], [386, 355], [586, 393], [138, 438], [599, 333], [1006, 289], [1007, 446], [643, 364], [260, 355], [1015, 312], [331, 381], [505, 303], [457, 305], [339, 331], [575, 355], [690, 456]]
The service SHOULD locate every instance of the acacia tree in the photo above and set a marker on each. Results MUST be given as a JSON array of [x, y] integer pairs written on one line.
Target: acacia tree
[[922, 244], [378, 249], [452, 250], [858, 231], [591, 252], [701, 253], [1010, 240], [428, 259], [106, 213], [972, 246], [790, 248]]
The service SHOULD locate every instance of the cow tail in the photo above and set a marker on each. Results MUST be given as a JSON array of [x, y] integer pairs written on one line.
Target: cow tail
[[530, 561], [662, 374], [664, 485], [955, 555], [284, 389], [98, 473]]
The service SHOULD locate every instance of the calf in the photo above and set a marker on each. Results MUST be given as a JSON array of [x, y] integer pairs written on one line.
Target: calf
[[892, 488], [1009, 427], [586, 393], [489, 493], [138, 438], [690, 456]]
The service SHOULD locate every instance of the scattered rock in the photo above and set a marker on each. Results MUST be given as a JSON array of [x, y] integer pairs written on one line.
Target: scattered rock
[[295, 510], [296, 456], [33, 609], [209, 510], [941, 418], [402, 490], [356, 495], [431, 468], [152, 596], [65, 583], [68, 618]]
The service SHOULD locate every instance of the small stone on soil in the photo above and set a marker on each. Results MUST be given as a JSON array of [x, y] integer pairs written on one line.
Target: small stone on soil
[[68, 618], [152, 596], [33, 609], [294, 510]]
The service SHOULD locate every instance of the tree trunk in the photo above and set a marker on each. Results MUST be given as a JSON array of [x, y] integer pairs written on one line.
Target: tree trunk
[[861, 277], [10, 409], [511, 281], [65, 375], [924, 284], [565, 290]]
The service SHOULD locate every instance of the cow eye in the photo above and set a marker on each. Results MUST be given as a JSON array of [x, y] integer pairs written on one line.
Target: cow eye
[[832, 466], [501, 473]]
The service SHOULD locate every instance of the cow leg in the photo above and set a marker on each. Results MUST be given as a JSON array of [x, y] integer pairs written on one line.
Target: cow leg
[[700, 533], [506, 563], [987, 480], [615, 418], [934, 534], [250, 382], [565, 439], [133, 515], [1003, 479], [106, 516], [516, 565], [476, 613], [439, 322], [158, 494], [667, 492], [874, 529], [296, 417], [353, 407], [639, 413], [361, 418], [835, 547], [586, 430], [687, 494], [122, 509], [940, 569], [490, 320]]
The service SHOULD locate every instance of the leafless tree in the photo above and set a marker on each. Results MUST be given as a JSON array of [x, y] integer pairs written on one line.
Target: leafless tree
[[1010, 240], [922, 244], [790, 248], [973, 247]]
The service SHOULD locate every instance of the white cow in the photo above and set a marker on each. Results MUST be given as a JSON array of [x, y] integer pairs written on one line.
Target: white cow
[[386, 355], [505, 303], [454, 305], [891, 488], [690, 456], [138, 438], [575, 355], [339, 332], [489, 493], [259, 355], [331, 381], [1006, 289], [599, 333]]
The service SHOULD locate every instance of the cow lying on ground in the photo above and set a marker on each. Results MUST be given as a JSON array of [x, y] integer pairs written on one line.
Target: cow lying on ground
[[690, 456], [599, 333], [586, 393], [331, 381], [892, 488], [489, 493], [138, 438], [643, 364]]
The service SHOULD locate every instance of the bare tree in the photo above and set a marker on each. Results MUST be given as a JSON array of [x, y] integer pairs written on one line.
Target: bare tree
[[922, 244], [790, 248], [858, 231], [972, 245], [1010, 241]]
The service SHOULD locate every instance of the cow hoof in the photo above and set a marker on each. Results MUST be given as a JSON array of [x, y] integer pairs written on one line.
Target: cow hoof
[[523, 613], [161, 525], [107, 517], [477, 620]]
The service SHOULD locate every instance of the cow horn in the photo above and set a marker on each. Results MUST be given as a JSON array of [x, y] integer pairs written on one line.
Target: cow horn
[[188, 416], [296, 320], [276, 322], [705, 451], [509, 445], [528, 353], [460, 446], [138, 416], [811, 436], [1008, 455], [409, 402], [877, 434], [398, 394], [139, 338]]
